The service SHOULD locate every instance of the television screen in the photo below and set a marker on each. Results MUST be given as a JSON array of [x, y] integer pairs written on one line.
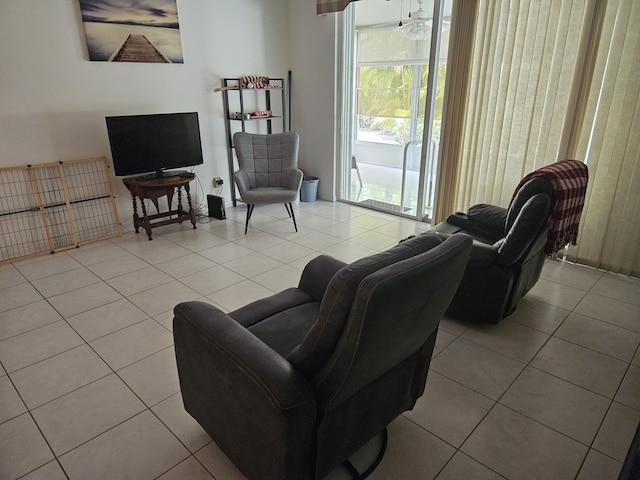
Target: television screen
[[153, 143]]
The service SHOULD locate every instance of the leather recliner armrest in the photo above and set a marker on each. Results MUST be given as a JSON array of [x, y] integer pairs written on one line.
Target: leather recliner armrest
[[447, 228], [459, 219], [482, 254]]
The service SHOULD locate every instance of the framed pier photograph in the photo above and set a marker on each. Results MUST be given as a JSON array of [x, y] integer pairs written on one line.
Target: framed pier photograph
[[146, 31]]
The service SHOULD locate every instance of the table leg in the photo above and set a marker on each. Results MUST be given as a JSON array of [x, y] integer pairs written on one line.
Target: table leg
[[136, 219], [145, 219], [179, 204], [192, 214]]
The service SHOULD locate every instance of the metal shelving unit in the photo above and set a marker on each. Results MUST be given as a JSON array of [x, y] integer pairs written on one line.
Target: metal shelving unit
[[239, 120]]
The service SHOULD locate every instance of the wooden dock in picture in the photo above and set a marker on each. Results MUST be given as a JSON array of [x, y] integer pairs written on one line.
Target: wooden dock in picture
[[137, 48]]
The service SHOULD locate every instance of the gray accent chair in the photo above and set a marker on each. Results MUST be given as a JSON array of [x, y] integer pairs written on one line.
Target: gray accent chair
[[289, 387], [268, 170]]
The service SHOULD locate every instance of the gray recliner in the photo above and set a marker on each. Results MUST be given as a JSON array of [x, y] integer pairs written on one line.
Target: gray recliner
[[507, 254], [289, 387], [268, 170]]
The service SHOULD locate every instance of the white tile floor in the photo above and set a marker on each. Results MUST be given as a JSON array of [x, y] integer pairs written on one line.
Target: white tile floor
[[89, 388]]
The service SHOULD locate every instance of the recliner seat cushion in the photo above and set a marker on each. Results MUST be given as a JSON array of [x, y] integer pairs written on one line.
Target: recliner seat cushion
[[257, 311], [285, 330], [320, 342]]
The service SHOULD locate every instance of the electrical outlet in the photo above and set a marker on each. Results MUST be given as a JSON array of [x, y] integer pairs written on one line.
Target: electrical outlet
[[217, 181]]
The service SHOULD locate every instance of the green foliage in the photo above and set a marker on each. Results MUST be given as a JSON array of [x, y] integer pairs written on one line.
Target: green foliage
[[384, 95]]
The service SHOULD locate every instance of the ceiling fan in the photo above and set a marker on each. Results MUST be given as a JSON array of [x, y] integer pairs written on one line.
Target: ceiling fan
[[417, 27]]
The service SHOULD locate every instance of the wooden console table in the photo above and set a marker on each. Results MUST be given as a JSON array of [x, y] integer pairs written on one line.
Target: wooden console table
[[153, 189]]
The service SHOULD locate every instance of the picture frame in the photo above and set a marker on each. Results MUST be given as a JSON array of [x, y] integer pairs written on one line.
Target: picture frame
[[142, 31]]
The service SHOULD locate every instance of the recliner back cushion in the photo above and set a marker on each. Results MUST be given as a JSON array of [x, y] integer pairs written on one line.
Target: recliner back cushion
[[532, 187], [322, 338], [529, 224], [395, 311]]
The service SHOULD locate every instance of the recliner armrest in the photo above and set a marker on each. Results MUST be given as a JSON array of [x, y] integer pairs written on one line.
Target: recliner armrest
[[317, 275], [447, 228], [235, 352], [459, 219], [482, 255], [244, 394]]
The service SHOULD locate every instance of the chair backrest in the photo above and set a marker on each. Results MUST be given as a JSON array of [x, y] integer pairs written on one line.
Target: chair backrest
[[535, 186], [322, 339], [395, 310], [529, 229], [267, 158]]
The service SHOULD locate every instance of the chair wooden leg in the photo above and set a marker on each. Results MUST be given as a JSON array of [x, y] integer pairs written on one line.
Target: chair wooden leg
[[292, 215], [249, 212]]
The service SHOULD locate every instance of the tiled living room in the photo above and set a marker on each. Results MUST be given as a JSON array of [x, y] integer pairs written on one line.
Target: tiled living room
[[89, 387]]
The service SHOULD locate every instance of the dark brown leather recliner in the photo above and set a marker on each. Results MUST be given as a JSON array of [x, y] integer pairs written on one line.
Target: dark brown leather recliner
[[289, 387], [507, 254]]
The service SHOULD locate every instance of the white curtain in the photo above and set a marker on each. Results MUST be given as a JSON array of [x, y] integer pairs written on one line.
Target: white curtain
[[463, 24]]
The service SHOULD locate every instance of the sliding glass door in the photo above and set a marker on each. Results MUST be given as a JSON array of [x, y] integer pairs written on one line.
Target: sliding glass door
[[391, 94]]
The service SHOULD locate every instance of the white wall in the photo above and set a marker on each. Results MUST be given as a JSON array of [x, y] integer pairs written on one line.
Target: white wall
[[313, 88], [53, 100]]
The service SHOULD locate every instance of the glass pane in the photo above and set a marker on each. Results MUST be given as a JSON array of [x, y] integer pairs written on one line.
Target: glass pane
[[384, 103], [399, 76], [440, 81], [393, 131], [392, 101], [390, 45], [390, 94]]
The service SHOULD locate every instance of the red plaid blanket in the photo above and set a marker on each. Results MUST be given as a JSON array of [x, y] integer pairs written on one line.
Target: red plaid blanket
[[569, 181]]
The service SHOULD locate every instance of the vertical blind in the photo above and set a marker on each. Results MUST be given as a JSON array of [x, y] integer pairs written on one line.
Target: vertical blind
[[548, 80], [524, 59], [609, 141]]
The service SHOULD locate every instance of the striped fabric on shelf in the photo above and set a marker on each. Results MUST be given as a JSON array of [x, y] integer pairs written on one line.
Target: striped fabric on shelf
[[330, 6]]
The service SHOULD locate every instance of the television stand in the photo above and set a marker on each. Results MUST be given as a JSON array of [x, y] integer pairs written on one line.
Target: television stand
[[153, 189]]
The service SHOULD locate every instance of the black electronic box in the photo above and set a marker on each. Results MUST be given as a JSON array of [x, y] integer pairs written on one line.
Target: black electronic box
[[216, 207]]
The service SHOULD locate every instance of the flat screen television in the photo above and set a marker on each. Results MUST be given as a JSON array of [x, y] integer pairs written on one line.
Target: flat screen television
[[154, 143]]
